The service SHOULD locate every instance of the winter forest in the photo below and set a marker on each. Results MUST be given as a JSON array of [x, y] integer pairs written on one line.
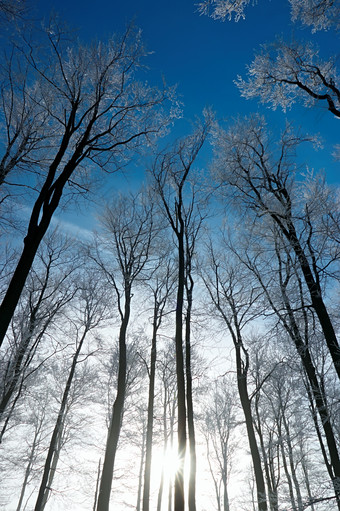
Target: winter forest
[[169, 270]]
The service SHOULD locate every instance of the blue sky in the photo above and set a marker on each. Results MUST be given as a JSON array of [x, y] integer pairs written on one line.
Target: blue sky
[[203, 57]]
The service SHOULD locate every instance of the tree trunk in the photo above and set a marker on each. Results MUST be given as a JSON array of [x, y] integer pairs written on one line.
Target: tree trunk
[[246, 406], [117, 415], [141, 466], [181, 409], [272, 492], [97, 485], [28, 470], [149, 429], [190, 408]]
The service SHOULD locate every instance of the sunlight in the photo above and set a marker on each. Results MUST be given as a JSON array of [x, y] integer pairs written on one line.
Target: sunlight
[[167, 462]]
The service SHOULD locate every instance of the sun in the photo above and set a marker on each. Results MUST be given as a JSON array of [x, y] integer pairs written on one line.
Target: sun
[[167, 462]]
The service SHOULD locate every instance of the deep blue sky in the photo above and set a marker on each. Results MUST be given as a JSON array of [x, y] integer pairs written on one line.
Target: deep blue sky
[[203, 56]]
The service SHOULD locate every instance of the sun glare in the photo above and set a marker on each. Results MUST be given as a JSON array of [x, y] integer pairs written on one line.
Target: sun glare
[[167, 462]]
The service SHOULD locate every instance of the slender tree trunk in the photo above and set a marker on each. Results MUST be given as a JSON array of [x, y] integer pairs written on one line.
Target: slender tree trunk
[[53, 469], [117, 415], [246, 406], [217, 486], [149, 429], [11, 298], [97, 485], [226, 506], [190, 408], [44, 488], [171, 479], [165, 437], [292, 464], [181, 409], [288, 476], [315, 412], [272, 493], [29, 465], [141, 466], [317, 301], [16, 370], [306, 478]]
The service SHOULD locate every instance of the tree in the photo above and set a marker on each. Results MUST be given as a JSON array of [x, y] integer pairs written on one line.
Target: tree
[[218, 424], [261, 177], [97, 111], [234, 303], [167, 375], [49, 289], [161, 286], [93, 310], [170, 174], [128, 236], [318, 14], [224, 9], [278, 274]]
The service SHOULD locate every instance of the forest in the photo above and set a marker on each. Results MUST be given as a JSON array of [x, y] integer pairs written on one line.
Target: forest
[[177, 349]]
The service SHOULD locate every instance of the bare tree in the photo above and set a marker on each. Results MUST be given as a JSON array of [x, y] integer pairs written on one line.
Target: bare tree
[[161, 285], [218, 423], [277, 271], [92, 311], [128, 225], [23, 117], [97, 111], [49, 288], [260, 175], [170, 174], [234, 302]]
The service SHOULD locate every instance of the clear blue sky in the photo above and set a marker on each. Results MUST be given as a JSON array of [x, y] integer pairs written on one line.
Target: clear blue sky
[[203, 56]]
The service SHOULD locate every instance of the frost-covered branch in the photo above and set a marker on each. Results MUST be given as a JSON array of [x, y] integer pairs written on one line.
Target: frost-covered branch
[[283, 74], [224, 9]]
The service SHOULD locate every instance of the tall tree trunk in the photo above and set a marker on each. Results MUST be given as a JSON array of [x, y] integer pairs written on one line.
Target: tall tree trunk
[[141, 466], [117, 415], [190, 408], [181, 409], [287, 473], [292, 463], [149, 429], [29, 466], [226, 506], [97, 485], [11, 298], [242, 369], [272, 492], [306, 478]]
